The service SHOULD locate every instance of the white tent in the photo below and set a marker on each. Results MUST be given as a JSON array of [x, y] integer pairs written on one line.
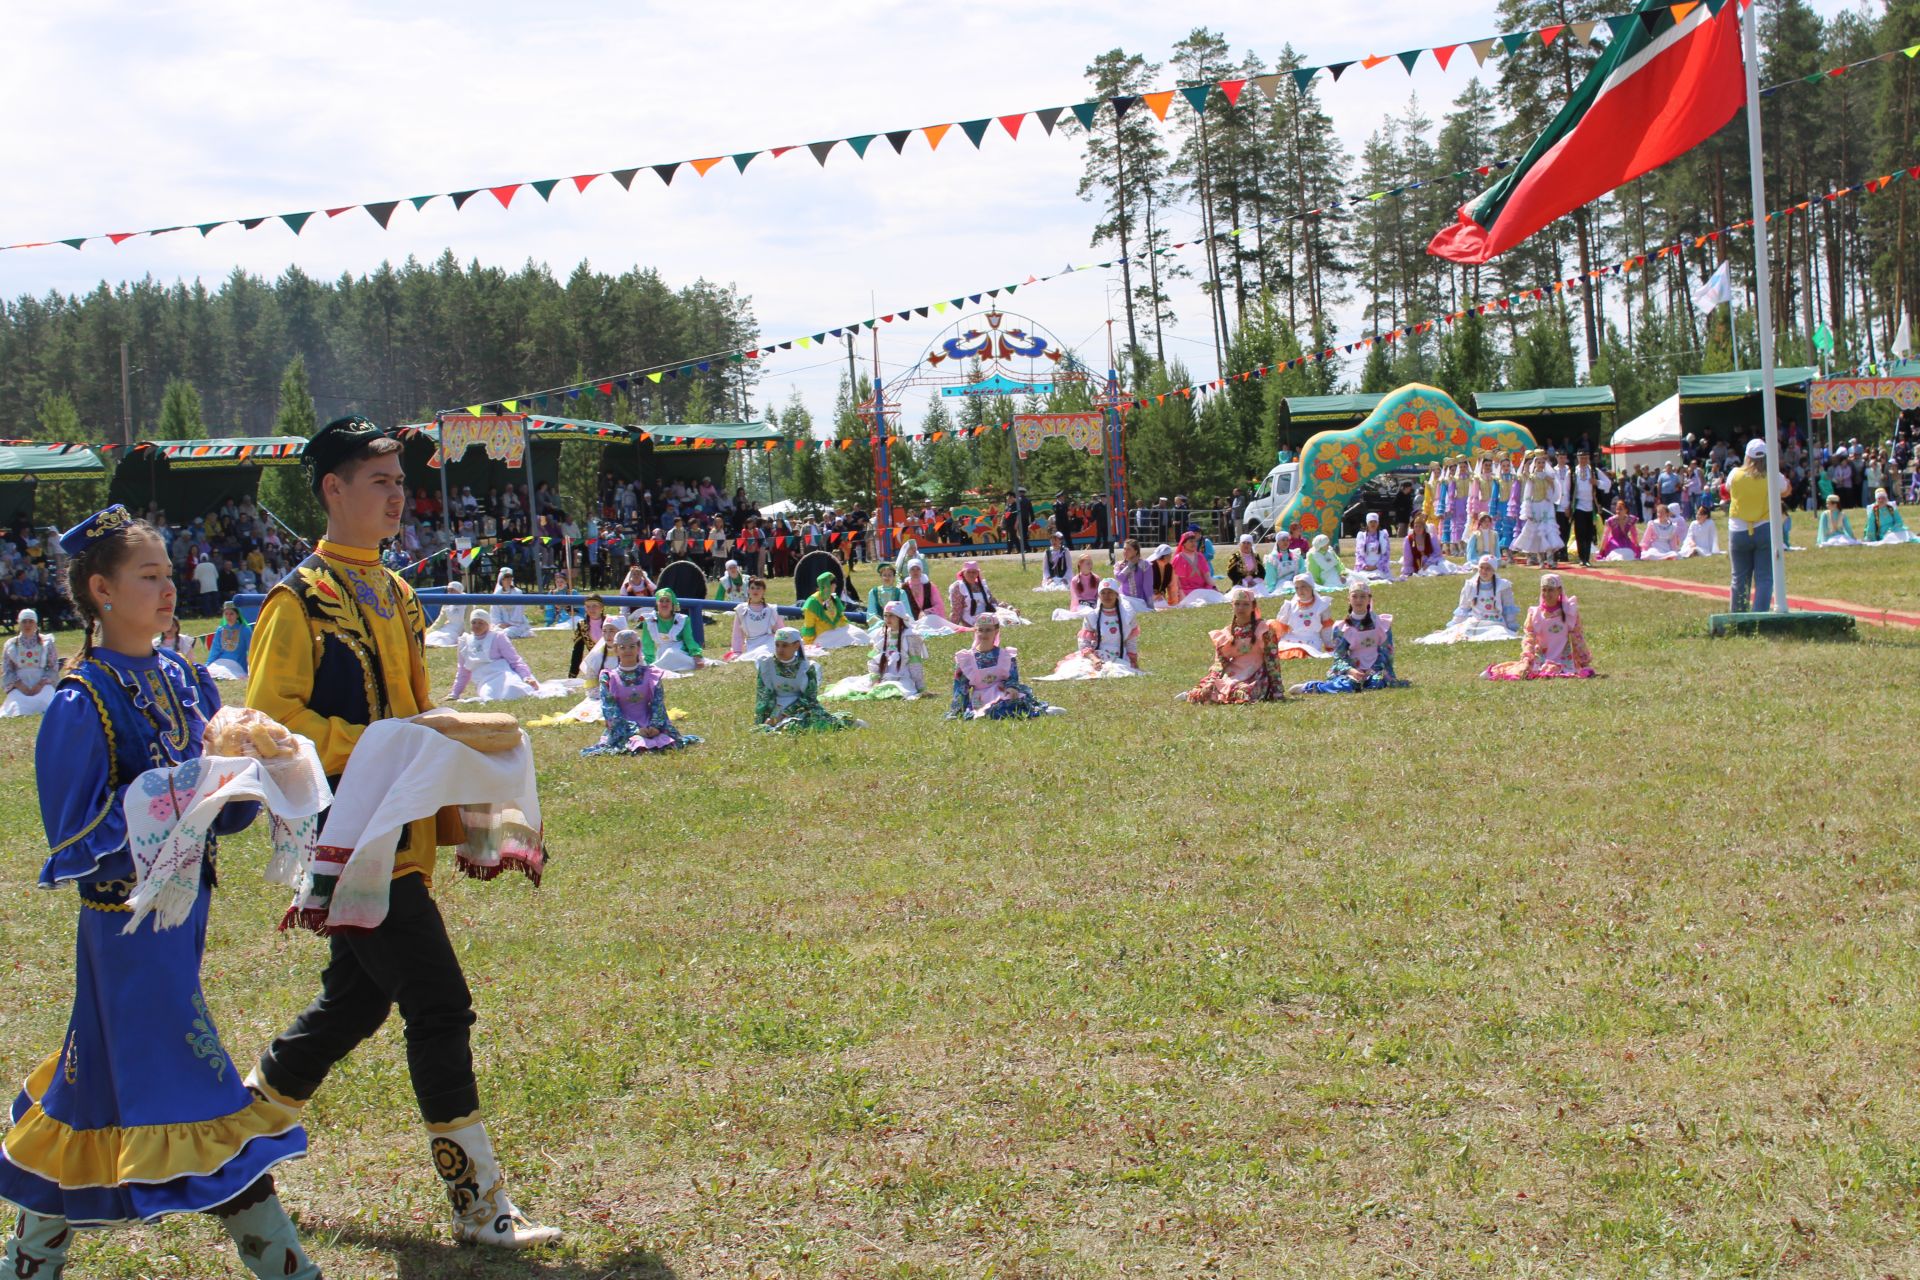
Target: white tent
[[778, 509], [1650, 439]]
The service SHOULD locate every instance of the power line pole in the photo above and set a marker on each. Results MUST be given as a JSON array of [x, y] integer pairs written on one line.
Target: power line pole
[[126, 402]]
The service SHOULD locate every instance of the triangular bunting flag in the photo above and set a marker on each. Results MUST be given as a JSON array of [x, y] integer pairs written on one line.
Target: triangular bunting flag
[[511, 406], [1231, 90], [1047, 116], [1269, 85], [1196, 96], [1012, 124], [1481, 49], [1123, 104], [1583, 32], [581, 181], [1337, 67], [378, 212], [77, 241], [1549, 34], [206, 228], [820, 150], [898, 138], [1443, 55], [860, 143], [975, 130], [460, 198], [625, 178], [1084, 112], [1371, 61], [701, 166], [420, 202], [934, 133], [474, 409], [1408, 58], [1680, 11], [293, 220], [742, 159], [545, 187], [331, 213], [505, 194], [1514, 41], [1304, 76]]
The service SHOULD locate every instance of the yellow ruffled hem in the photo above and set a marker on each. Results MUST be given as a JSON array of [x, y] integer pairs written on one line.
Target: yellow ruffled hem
[[81, 1158]]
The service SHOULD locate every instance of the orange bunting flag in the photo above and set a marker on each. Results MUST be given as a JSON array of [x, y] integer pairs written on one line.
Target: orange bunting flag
[[1158, 102], [650, 544], [934, 133], [701, 166]]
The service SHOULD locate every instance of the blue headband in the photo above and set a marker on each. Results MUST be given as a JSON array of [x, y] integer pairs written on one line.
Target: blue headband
[[80, 539]]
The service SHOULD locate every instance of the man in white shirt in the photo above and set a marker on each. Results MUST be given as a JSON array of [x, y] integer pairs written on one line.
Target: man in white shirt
[[206, 584], [1585, 499], [1562, 498]]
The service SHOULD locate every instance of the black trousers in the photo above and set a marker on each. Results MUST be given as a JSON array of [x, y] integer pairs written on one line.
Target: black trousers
[[1583, 535], [407, 960], [1566, 526]]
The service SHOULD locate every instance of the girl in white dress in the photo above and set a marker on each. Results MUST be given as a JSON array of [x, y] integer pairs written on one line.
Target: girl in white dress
[[753, 625], [451, 622], [1303, 626], [1109, 640], [510, 618], [1663, 536], [30, 669], [491, 670], [1703, 536], [1540, 529], [897, 665], [1486, 611]]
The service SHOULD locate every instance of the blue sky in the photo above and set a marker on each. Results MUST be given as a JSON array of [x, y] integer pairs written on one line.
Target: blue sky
[[149, 115]]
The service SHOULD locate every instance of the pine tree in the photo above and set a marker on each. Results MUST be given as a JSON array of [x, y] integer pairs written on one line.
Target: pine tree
[[1126, 173], [180, 417]]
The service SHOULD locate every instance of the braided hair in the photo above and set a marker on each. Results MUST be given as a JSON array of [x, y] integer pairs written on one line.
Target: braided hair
[[103, 556]]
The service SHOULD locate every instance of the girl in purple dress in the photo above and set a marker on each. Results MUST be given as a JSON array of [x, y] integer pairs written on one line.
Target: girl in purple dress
[[635, 705]]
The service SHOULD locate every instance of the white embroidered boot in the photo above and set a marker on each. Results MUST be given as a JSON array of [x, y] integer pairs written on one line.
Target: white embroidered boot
[[482, 1213], [37, 1250], [263, 1234]]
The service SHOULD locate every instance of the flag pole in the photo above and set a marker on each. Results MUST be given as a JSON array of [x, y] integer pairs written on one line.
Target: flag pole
[[1763, 291]]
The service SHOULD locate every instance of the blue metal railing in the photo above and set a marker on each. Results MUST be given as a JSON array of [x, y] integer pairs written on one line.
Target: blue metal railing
[[696, 609]]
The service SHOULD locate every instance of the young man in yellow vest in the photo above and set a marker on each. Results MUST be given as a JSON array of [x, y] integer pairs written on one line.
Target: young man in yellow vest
[[338, 646]]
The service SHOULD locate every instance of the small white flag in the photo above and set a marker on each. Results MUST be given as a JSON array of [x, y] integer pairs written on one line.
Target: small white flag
[[1715, 290], [1903, 338]]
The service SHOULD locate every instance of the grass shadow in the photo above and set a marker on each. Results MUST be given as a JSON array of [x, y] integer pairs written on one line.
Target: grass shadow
[[416, 1259]]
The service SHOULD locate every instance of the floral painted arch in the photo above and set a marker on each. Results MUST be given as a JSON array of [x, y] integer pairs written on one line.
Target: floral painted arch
[[1411, 426]]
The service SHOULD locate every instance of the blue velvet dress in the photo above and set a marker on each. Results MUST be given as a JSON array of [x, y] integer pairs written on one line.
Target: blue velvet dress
[[141, 1113]]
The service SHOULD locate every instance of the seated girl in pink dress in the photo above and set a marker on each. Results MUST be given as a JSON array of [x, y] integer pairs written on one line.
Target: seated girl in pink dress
[[1243, 659], [1083, 588], [986, 679], [969, 599], [1622, 538], [1192, 584], [1552, 643]]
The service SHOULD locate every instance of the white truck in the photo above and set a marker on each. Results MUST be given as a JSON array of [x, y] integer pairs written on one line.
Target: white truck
[[1271, 498]]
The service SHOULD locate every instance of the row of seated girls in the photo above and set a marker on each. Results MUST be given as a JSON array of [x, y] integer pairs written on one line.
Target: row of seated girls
[[1882, 524]]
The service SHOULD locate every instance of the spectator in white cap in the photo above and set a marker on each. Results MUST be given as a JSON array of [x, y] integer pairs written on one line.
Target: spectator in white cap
[[1750, 512]]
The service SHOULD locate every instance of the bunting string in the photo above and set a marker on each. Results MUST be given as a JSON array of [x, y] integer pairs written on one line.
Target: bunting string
[[1198, 97], [613, 384]]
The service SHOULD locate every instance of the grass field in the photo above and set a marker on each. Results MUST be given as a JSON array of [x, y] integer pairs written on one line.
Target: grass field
[[1604, 978]]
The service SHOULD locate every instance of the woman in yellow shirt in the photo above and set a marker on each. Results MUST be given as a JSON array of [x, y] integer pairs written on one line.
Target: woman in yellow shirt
[[1750, 530]]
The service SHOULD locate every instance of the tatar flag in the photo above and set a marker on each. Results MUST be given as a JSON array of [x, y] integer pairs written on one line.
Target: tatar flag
[[1663, 87]]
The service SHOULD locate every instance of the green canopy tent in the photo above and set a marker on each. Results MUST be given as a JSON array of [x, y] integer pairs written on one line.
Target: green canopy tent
[[25, 467], [688, 452], [1571, 419], [1307, 414], [188, 478], [654, 455], [1726, 406]]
